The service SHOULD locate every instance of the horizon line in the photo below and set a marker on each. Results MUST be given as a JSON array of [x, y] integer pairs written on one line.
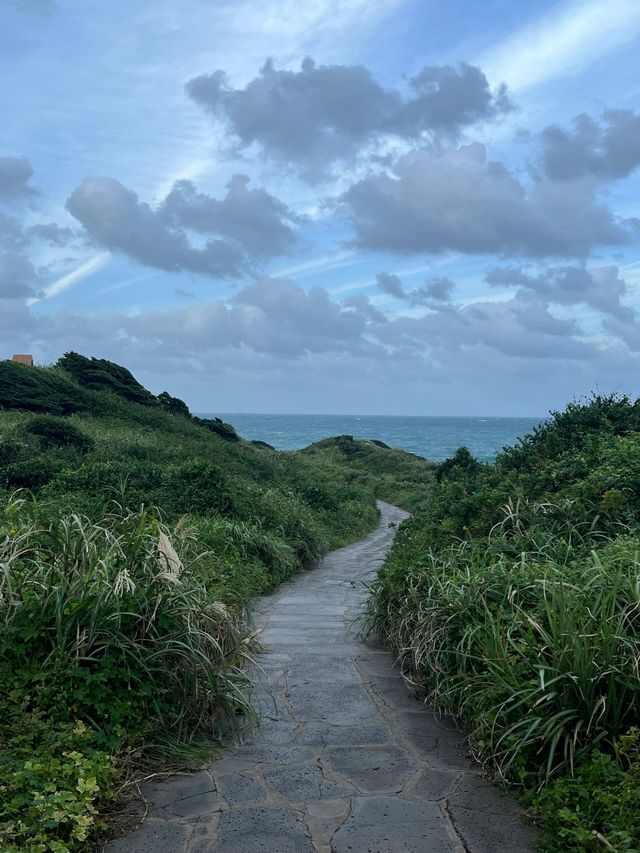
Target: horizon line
[[352, 415]]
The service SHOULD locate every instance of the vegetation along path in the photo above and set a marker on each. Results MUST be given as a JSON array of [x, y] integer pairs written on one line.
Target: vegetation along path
[[346, 759]]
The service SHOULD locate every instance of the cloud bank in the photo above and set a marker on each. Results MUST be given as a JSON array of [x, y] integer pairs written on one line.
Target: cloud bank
[[324, 113], [246, 226]]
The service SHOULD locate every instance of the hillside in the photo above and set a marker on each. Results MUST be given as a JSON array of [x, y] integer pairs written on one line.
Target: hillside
[[131, 536], [513, 598]]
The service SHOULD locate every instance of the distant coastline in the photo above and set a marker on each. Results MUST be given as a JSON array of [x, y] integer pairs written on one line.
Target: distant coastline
[[435, 437]]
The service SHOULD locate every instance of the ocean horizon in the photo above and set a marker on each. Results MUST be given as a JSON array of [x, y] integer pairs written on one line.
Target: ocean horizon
[[433, 436]]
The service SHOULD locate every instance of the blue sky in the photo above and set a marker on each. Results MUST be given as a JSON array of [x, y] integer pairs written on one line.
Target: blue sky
[[393, 207]]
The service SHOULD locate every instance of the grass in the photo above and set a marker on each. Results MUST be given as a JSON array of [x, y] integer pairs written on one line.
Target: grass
[[112, 630], [132, 537], [512, 597], [398, 477]]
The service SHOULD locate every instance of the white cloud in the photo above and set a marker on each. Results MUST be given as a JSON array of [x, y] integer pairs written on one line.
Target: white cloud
[[564, 41]]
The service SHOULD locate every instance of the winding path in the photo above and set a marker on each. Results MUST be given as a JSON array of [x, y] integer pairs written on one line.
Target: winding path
[[346, 759]]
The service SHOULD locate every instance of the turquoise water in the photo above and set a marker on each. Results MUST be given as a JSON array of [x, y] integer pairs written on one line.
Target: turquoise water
[[432, 437]]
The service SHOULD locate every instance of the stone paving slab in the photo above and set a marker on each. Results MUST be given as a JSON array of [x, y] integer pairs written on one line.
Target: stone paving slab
[[391, 825], [346, 760]]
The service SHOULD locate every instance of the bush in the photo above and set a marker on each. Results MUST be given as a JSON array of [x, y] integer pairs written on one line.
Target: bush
[[56, 432], [597, 808], [219, 427], [53, 781], [126, 623], [100, 374], [38, 389], [174, 405], [512, 598], [538, 657], [31, 473], [252, 560], [199, 488]]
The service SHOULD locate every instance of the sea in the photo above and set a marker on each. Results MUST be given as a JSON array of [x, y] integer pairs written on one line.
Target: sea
[[435, 438]]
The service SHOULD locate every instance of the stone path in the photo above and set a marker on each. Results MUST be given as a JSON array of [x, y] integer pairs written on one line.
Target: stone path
[[346, 759]]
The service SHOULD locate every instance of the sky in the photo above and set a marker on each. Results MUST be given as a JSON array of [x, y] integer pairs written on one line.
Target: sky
[[417, 207]]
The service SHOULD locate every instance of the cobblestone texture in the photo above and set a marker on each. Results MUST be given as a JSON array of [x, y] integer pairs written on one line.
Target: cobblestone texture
[[346, 758]]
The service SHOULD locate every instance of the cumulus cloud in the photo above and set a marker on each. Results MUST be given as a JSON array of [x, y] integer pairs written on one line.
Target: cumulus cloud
[[17, 276], [626, 329], [15, 174], [363, 306], [600, 287], [448, 98], [279, 316], [521, 327], [391, 284], [436, 289], [325, 113], [12, 235], [605, 151], [52, 233], [254, 219], [273, 332], [443, 198], [269, 317], [248, 226]]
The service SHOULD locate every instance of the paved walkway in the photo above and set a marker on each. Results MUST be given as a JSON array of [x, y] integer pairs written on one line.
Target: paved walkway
[[346, 759]]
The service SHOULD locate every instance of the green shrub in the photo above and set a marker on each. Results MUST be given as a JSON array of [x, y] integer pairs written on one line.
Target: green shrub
[[100, 374], [219, 427], [30, 473], [598, 807], [200, 488], [13, 450], [174, 405], [53, 781], [57, 432], [125, 626], [38, 389], [512, 598], [253, 560]]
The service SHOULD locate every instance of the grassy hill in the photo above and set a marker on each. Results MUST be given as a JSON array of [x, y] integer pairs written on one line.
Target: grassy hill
[[132, 534], [513, 597]]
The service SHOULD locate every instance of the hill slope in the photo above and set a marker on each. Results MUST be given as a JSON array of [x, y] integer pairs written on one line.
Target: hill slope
[[513, 598], [131, 536]]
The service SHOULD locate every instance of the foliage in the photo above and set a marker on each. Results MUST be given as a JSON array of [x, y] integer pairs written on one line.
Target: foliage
[[174, 405], [512, 597], [537, 654], [53, 781], [115, 610], [100, 374], [125, 575], [58, 432], [219, 427], [115, 625], [38, 389], [396, 476], [263, 444], [597, 807]]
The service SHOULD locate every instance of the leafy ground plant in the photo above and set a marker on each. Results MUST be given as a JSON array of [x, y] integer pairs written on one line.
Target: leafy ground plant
[[112, 625], [128, 621], [512, 597]]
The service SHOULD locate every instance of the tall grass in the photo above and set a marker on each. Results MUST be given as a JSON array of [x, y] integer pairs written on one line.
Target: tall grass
[[119, 611], [539, 651]]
